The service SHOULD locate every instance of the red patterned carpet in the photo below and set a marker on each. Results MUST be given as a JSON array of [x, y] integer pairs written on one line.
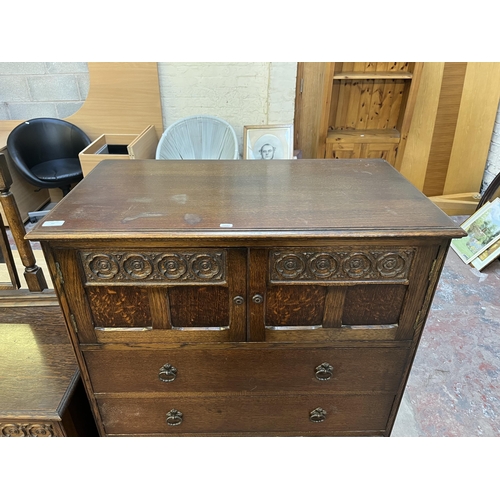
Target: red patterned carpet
[[454, 385]]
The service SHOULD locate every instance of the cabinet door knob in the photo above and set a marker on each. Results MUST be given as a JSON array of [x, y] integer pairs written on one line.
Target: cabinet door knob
[[324, 371], [238, 300], [167, 373], [318, 415], [257, 299], [174, 417]]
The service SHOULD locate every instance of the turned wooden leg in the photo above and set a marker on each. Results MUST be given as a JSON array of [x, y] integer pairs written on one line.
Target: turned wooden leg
[[33, 274]]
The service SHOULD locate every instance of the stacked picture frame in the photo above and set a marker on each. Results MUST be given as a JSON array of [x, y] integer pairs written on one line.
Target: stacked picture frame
[[482, 243]]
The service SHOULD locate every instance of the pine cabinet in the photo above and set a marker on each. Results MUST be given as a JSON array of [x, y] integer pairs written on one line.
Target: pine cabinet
[[245, 297], [355, 110]]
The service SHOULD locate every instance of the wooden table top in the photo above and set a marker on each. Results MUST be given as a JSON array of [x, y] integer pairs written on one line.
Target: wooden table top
[[38, 369], [156, 198]]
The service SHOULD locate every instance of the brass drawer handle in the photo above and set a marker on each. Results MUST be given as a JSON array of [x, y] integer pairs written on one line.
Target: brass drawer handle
[[167, 373], [238, 300], [174, 417], [257, 299], [318, 415], [324, 371]]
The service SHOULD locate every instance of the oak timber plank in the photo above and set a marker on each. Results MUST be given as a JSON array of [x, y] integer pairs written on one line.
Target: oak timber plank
[[478, 109], [445, 126], [414, 164]]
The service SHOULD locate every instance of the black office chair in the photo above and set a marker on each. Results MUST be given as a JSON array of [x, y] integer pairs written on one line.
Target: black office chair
[[45, 152]]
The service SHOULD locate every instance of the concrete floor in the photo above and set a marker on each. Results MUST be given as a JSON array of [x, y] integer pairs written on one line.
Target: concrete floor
[[454, 384]]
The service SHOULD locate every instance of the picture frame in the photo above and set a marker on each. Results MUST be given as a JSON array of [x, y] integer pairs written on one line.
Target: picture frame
[[483, 230], [489, 255], [268, 142]]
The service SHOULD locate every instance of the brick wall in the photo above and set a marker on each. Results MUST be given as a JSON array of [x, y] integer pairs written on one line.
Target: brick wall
[[493, 160], [30, 90], [240, 93]]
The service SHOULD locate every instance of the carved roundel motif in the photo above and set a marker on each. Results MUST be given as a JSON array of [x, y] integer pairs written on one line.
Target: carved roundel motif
[[205, 266], [40, 430], [173, 266], [290, 266], [13, 430], [137, 266], [323, 265], [357, 265], [104, 266], [390, 265], [26, 430]]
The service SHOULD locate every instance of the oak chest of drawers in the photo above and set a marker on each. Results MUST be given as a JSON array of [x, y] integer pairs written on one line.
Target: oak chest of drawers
[[245, 297]]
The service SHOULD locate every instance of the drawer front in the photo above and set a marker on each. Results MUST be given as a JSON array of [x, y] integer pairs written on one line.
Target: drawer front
[[219, 370], [320, 413]]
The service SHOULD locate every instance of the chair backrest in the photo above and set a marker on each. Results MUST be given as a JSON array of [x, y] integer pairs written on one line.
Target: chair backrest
[[44, 139], [47, 146], [198, 137]]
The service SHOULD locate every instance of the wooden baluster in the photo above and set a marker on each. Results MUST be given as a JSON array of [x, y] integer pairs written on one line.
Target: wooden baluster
[[32, 274], [8, 259]]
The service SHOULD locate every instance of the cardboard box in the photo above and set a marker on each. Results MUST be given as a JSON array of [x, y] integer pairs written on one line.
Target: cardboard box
[[119, 147]]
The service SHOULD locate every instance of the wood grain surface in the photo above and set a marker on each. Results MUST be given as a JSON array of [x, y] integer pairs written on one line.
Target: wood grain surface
[[255, 370], [332, 197], [37, 364]]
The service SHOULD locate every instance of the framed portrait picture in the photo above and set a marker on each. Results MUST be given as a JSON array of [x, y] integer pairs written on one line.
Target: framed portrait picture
[[268, 142], [483, 230]]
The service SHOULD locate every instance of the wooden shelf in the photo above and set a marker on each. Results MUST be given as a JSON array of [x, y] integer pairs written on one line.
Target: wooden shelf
[[375, 75], [355, 109], [386, 136]]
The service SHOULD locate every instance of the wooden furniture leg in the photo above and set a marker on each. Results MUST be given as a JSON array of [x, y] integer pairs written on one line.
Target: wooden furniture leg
[[33, 274]]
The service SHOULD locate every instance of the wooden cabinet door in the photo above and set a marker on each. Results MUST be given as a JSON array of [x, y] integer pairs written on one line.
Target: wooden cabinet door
[[156, 295], [380, 150], [337, 293], [345, 150]]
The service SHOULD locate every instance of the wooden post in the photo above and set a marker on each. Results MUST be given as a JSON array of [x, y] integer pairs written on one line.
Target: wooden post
[[8, 258], [33, 274], [312, 107]]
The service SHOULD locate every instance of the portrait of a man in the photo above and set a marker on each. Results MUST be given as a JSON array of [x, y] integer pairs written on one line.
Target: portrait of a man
[[267, 151], [271, 142]]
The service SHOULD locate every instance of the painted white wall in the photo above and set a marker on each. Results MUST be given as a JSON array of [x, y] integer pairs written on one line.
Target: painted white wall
[[244, 93], [493, 160]]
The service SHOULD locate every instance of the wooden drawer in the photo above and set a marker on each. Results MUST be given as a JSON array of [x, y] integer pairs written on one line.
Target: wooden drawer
[[240, 414], [246, 369]]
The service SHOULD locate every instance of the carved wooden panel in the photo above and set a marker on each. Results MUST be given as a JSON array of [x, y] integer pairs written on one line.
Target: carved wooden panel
[[373, 304], [206, 306], [327, 265], [26, 430], [119, 306], [295, 305], [332, 307], [166, 266]]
